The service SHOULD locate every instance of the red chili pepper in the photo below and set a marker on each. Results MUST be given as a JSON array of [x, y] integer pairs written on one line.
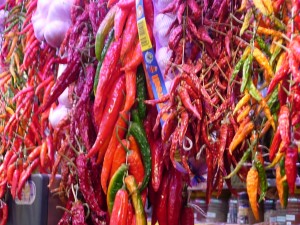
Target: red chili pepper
[[135, 162], [169, 126], [130, 214], [130, 76], [284, 125], [131, 33], [279, 75], [175, 197], [133, 57], [126, 4], [85, 185], [15, 180], [77, 212], [119, 21], [4, 209], [291, 160], [119, 157], [187, 216], [44, 155], [119, 131], [120, 208], [25, 175], [186, 101], [222, 146], [110, 116], [162, 201], [109, 64]]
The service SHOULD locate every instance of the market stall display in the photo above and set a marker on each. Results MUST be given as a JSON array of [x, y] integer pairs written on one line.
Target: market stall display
[[81, 97]]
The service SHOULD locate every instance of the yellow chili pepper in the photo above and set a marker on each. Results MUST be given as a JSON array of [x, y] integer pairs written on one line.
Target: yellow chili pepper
[[280, 60], [252, 184], [243, 101], [264, 6], [264, 63], [267, 112], [17, 61], [12, 70], [244, 113], [9, 110], [277, 158], [243, 5]]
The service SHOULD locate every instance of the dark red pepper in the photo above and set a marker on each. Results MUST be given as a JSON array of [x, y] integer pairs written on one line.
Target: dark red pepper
[[291, 160]]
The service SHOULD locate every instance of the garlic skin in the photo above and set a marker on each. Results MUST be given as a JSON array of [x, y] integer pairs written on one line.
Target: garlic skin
[[51, 21]]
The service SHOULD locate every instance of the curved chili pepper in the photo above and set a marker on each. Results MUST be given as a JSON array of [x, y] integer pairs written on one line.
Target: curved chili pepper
[[139, 133], [119, 131], [119, 157], [240, 136], [119, 21], [134, 160], [110, 117], [186, 101], [131, 33], [106, 72]]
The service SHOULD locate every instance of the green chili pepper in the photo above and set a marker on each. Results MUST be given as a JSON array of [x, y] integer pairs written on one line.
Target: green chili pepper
[[253, 91], [136, 117], [108, 41], [115, 184], [140, 216], [105, 26], [237, 69], [240, 164], [262, 179], [273, 101], [139, 134], [274, 55], [262, 45], [141, 92], [246, 72], [284, 183], [11, 26], [14, 9]]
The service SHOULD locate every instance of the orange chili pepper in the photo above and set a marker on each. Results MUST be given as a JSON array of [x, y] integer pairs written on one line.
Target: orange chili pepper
[[279, 186], [119, 157], [264, 63], [12, 48], [240, 136], [252, 184], [266, 31]]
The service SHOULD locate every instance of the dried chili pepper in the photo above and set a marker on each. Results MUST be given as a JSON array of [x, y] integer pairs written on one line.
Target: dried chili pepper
[[240, 136], [77, 212], [284, 183], [85, 185], [187, 216]]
